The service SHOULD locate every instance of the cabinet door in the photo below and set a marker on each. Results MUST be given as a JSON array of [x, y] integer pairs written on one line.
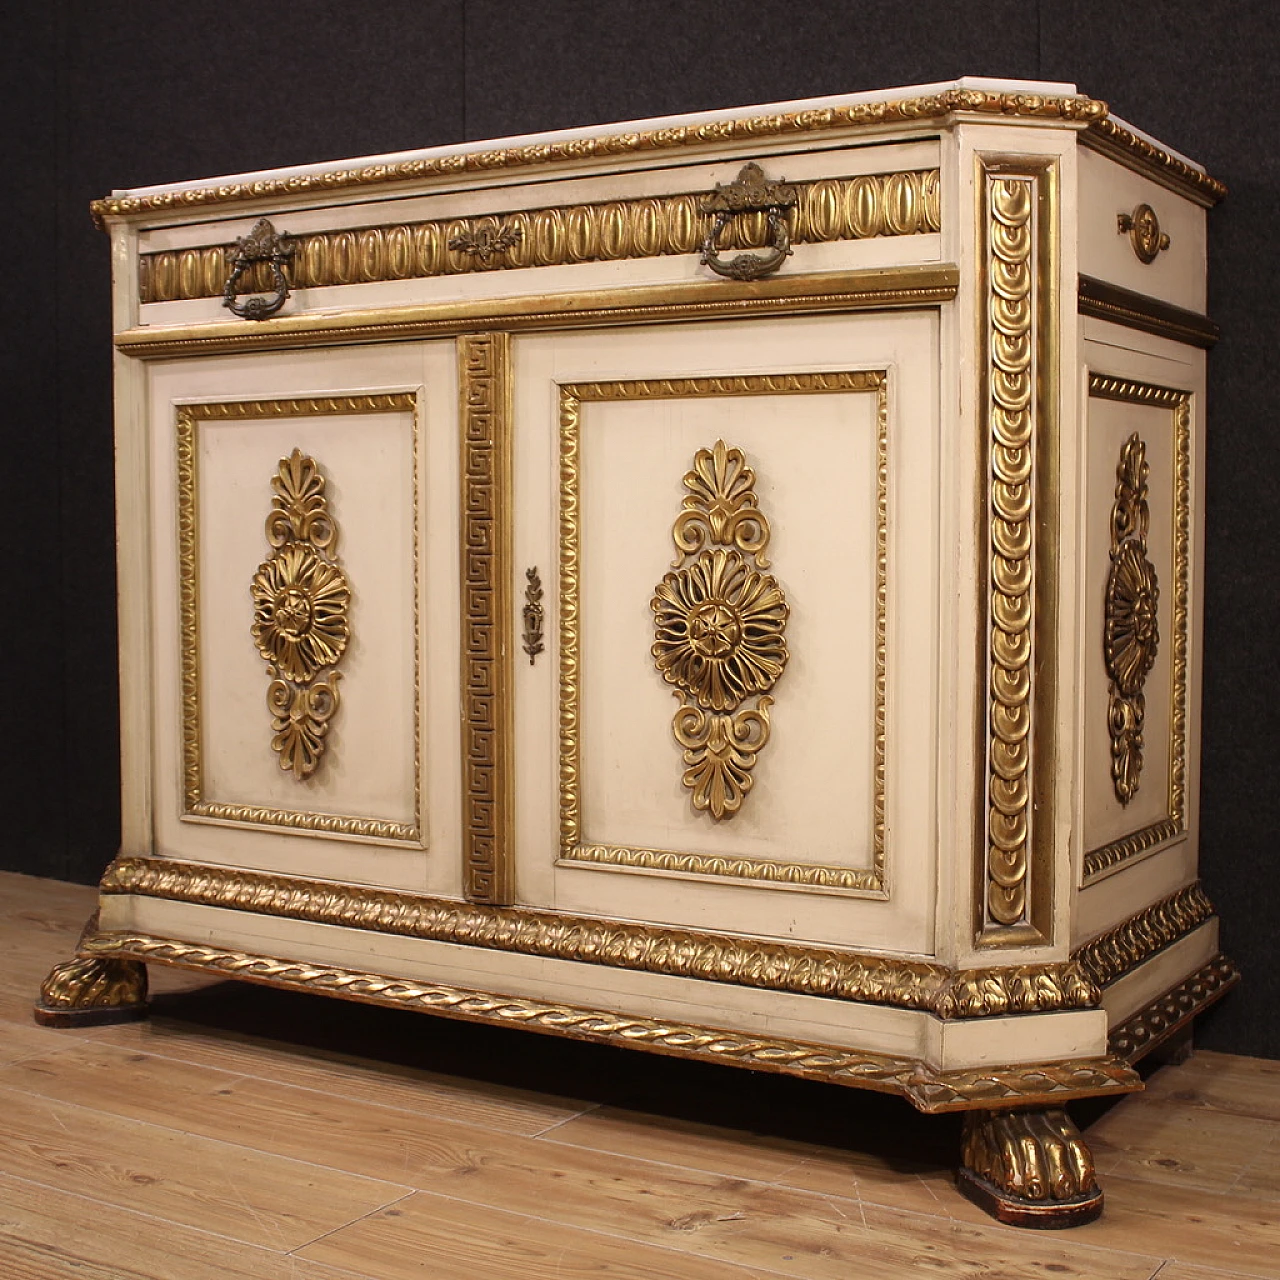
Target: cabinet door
[[734, 528], [304, 615]]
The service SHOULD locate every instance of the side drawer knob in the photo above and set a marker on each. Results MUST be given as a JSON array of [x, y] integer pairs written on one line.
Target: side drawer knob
[[1143, 228]]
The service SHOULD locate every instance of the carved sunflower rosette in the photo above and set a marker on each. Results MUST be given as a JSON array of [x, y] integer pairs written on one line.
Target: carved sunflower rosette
[[301, 623], [1131, 634], [719, 626]]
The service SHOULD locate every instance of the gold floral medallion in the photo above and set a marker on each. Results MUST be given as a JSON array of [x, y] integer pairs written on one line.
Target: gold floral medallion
[[301, 624], [720, 627], [1131, 633]]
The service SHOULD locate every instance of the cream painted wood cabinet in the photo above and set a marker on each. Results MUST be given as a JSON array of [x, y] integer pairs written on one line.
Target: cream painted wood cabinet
[[726, 585]]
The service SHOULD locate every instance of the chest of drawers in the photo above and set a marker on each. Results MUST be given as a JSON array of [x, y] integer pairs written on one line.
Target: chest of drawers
[[726, 585]]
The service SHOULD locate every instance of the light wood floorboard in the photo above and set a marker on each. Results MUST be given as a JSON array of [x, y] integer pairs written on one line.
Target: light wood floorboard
[[250, 1133]]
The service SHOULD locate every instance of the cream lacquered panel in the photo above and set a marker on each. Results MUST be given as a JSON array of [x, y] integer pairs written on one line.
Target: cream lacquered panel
[[838, 828], [1158, 403], [223, 796]]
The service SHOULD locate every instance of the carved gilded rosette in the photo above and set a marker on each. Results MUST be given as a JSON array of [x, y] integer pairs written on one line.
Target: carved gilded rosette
[[301, 623], [1131, 633], [719, 626]]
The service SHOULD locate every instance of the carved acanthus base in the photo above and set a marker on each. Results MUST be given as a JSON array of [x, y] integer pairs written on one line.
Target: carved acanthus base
[[1028, 1168], [90, 991]]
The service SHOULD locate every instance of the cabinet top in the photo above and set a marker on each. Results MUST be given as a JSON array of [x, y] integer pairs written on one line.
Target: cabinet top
[[878, 111]]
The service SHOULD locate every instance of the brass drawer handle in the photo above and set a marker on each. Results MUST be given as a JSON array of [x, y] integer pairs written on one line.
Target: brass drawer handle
[[751, 192], [262, 244], [1144, 232]]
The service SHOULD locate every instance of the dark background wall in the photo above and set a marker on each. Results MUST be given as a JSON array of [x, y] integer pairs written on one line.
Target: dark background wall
[[118, 95]]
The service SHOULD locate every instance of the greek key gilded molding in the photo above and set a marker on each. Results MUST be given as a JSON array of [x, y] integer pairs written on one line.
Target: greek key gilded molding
[[1112, 954], [1116, 852], [484, 378], [804, 970], [573, 849], [865, 115], [928, 1090], [832, 209], [921, 285], [720, 630], [195, 803], [1019, 387], [1163, 1018]]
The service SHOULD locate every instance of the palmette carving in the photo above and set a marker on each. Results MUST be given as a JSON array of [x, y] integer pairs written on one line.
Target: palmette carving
[[1131, 634], [301, 624], [720, 630]]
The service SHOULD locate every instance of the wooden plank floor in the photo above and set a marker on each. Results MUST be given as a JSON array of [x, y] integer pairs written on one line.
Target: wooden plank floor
[[249, 1134]]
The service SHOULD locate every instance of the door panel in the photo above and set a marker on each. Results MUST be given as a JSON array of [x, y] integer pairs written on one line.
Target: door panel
[[736, 530]]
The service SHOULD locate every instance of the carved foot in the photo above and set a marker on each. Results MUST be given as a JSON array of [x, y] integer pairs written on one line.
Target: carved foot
[[1028, 1168], [88, 992]]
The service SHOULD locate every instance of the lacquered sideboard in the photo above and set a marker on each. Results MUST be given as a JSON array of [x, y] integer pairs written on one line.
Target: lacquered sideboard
[[727, 585]]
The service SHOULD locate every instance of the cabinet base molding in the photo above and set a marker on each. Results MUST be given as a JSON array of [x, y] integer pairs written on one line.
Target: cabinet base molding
[[930, 1091], [1028, 1168], [1169, 1014]]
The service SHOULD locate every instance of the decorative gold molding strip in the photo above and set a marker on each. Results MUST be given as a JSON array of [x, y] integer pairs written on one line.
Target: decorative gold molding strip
[[713, 957], [868, 881], [1112, 139], [195, 805], [1112, 954], [1108, 301], [866, 115], [1115, 852], [832, 209], [1164, 1017], [924, 285], [484, 377], [928, 1090], [1019, 390]]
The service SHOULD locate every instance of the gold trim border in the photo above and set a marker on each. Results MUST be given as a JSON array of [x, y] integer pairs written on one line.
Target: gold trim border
[[1115, 853], [923, 285], [859, 977], [1019, 267], [863, 882], [194, 805], [862, 207], [866, 115], [484, 385], [1165, 1016], [1134, 941], [928, 1090], [1110, 138]]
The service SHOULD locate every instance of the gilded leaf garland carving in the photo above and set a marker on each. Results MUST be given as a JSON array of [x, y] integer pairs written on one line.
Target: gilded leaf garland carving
[[1020, 255], [1133, 942], [1131, 633], [301, 618], [720, 625]]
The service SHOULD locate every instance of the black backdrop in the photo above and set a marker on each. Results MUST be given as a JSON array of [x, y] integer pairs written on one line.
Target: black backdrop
[[103, 95]]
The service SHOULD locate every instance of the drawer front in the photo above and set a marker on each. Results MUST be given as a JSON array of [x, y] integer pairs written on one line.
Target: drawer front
[[734, 529], [1109, 192]]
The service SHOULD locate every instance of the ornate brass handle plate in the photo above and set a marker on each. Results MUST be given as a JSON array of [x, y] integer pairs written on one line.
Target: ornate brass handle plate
[[1144, 232], [751, 192], [262, 244]]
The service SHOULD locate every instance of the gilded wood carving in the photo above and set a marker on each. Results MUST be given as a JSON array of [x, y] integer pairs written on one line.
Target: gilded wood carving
[[301, 615], [720, 626], [1131, 634]]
